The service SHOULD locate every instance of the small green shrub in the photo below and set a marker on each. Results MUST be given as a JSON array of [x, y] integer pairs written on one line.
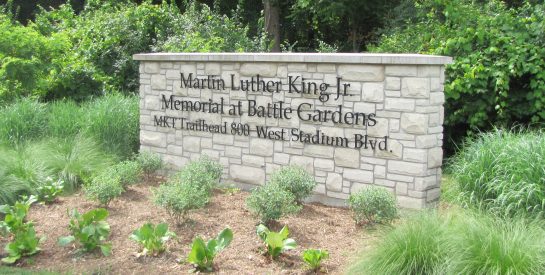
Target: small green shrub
[[179, 198], [295, 180], [113, 120], [271, 202], [127, 171], [314, 257], [276, 242], [418, 246], [152, 238], [49, 190], [24, 241], [104, 188], [502, 171], [25, 119], [202, 255], [90, 229], [149, 162], [203, 173], [373, 205]]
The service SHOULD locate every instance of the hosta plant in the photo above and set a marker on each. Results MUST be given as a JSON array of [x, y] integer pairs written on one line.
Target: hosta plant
[[277, 242], [313, 258], [48, 192], [152, 238], [90, 230], [202, 254], [15, 215], [24, 241]]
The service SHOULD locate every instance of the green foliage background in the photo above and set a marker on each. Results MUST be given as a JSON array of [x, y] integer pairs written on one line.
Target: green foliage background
[[498, 76]]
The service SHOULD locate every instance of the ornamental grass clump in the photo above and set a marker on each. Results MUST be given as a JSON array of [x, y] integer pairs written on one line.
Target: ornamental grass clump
[[418, 246], [295, 180], [483, 244], [502, 171], [373, 205], [24, 120]]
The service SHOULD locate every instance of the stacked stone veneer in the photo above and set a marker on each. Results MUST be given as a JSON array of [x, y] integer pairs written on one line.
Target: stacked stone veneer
[[404, 91]]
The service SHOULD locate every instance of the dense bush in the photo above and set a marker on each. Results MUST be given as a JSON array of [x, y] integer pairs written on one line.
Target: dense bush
[[502, 171], [373, 205], [295, 180], [497, 75], [64, 54], [458, 242], [271, 202]]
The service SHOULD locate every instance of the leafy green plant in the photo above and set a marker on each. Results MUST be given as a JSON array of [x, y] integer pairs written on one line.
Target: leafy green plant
[[90, 229], [48, 191], [373, 205], [149, 162], [271, 202], [104, 188], [314, 257], [24, 241], [152, 238], [277, 242], [179, 198], [295, 180], [15, 215], [202, 255]]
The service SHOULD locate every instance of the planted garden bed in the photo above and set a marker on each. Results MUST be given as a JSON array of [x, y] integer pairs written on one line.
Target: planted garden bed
[[316, 226]]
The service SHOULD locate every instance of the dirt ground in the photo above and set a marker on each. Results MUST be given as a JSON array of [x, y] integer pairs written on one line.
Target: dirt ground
[[316, 226]]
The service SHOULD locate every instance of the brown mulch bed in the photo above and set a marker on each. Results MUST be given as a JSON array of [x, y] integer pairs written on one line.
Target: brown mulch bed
[[316, 226]]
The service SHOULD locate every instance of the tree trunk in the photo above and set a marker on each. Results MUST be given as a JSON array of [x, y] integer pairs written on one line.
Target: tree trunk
[[272, 23]]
